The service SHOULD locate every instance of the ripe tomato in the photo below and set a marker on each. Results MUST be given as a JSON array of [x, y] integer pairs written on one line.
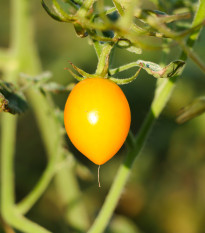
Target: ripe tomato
[[97, 118]]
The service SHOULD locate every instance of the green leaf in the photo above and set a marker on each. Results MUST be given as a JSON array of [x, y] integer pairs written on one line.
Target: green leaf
[[11, 100], [194, 109], [82, 72], [175, 68], [74, 75]]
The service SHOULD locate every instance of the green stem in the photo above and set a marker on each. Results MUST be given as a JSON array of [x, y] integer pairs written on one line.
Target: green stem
[[87, 4], [161, 97], [123, 81], [102, 67], [25, 205], [98, 47], [123, 68], [192, 55], [5, 226], [198, 18], [25, 225], [63, 15], [8, 136]]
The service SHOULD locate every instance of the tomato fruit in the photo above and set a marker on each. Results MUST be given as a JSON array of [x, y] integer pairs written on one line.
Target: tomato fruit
[[97, 118]]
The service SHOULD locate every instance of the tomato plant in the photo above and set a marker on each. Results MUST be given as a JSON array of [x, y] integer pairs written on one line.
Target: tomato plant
[[97, 118]]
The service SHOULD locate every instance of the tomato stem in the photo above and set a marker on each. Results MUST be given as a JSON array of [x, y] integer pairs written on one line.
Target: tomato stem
[[103, 62]]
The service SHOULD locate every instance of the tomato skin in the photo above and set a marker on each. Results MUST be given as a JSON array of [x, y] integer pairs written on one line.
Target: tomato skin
[[97, 118]]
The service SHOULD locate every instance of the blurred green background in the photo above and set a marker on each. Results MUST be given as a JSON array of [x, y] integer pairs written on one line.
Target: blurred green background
[[166, 191]]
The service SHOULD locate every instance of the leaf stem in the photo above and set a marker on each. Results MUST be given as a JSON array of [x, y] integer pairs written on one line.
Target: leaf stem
[[123, 68], [122, 81]]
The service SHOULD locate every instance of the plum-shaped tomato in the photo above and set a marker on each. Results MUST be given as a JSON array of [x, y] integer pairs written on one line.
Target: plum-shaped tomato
[[97, 118]]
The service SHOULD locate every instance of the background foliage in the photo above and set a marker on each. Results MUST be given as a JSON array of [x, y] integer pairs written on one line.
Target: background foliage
[[165, 192]]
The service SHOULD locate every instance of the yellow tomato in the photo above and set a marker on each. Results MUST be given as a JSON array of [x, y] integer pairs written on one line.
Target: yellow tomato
[[97, 118]]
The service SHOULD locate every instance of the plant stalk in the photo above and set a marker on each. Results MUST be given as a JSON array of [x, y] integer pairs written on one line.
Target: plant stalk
[[103, 61]]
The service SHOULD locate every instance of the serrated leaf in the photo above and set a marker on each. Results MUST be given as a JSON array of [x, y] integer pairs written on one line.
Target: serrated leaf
[[12, 100], [196, 108], [173, 69]]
